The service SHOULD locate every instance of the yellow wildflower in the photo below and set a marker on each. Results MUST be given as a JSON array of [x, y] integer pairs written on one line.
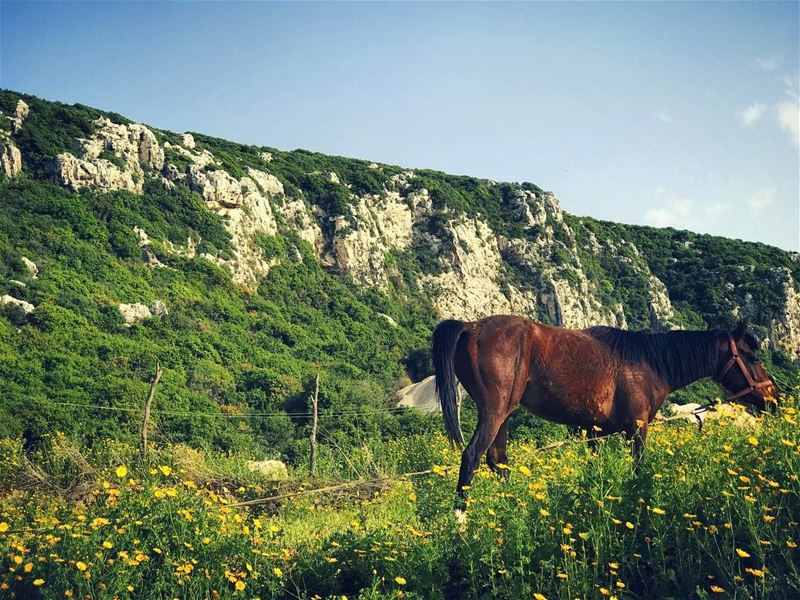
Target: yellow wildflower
[[741, 553], [121, 471], [165, 470], [400, 580], [38, 582]]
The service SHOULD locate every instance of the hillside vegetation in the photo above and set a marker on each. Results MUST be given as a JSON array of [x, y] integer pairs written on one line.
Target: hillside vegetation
[[229, 349], [244, 272]]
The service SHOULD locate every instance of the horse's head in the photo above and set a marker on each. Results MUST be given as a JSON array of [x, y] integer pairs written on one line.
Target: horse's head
[[740, 372]]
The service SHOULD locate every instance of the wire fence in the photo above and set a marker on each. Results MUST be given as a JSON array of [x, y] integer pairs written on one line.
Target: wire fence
[[269, 415]]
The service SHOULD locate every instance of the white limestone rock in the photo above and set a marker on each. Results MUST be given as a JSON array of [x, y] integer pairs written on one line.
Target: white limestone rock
[[10, 159], [159, 308], [135, 147], [785, 327], [661, 312], [468, 289], [133, 313], [268, 183], [27, 307], [299, 217], [30, 267], [378, 224], [20, 114], [422, 396], [218, 188], [388, 319]]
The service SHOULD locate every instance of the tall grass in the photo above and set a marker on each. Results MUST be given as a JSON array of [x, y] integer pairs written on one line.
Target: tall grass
[[704, 514]]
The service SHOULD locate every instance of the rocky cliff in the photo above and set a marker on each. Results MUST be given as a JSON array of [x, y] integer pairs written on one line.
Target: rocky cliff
[[472, 247]]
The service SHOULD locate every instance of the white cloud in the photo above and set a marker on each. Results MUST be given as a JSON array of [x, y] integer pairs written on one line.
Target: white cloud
[[674, 212], [767, 63], [683, 213], [788, 116], [761, 200], [752, 114], [664, 117]]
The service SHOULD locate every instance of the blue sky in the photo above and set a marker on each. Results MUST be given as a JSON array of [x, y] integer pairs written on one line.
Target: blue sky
[[682, 114]]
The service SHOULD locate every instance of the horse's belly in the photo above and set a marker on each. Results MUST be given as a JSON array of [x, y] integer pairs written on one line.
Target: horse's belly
[[571, 405]]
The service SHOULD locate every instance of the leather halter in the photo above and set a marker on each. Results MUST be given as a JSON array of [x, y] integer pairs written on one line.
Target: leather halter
[[752, 384]]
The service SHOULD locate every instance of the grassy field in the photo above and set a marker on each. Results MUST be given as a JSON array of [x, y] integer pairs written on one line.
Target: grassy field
[[707, 514]]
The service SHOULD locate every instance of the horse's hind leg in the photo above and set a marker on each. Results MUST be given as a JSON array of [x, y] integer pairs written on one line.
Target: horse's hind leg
[[488, 426], [497, 453]]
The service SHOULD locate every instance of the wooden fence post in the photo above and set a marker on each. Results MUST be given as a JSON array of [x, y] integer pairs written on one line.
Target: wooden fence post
[[314, 404], [146, 420]]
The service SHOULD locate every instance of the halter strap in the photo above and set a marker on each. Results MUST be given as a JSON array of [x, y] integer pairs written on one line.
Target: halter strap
[[735, 359]]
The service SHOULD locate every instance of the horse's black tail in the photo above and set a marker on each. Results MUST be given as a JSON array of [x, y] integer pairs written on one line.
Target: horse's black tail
[[445, 341]]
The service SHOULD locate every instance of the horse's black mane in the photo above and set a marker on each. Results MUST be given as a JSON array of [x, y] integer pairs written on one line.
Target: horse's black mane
[[676, 356]]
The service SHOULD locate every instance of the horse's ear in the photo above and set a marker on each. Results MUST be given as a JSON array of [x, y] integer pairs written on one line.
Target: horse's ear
[[741, 329]]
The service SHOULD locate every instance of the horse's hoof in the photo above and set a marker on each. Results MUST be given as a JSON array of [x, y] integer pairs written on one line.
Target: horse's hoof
[[461, 516]]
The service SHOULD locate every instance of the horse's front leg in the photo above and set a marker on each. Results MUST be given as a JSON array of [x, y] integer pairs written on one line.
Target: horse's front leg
[[637, 434]]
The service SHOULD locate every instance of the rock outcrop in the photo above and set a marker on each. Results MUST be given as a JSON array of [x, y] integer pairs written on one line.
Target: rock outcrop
[[30, 267], [20, 114], [661, 313], [299, 217], [422, 396], [133, 313], [785, 327], [10, 156], [27, 307], [468, 286], [535, 267], [378, 225], [115, 157], [10, 159], [243, 203]]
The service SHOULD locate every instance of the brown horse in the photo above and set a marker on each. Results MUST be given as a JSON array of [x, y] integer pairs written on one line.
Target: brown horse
[[602, 378]]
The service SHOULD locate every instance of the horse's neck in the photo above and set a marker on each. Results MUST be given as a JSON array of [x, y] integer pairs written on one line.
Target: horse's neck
[[689, 376], [683, 382]]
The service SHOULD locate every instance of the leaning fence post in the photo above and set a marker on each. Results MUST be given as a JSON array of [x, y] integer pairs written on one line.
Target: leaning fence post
[[314, 404], [146, 419]]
